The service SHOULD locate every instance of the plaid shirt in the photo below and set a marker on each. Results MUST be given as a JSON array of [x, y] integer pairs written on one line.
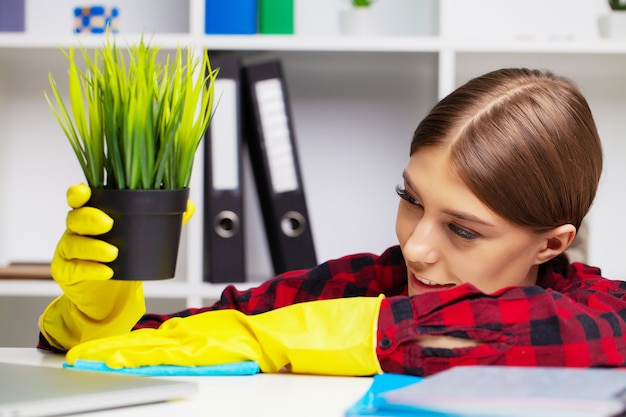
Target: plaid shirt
[[577, 319]]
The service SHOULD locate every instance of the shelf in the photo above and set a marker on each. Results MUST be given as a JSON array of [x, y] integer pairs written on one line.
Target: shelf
[[596, 46], [236, 42], [29, 288], [409, 44], [25, 41], [322, 43], [167, 290]]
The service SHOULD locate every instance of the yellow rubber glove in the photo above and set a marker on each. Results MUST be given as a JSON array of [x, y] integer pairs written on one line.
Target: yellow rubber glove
[[92, 306], [329, 337]]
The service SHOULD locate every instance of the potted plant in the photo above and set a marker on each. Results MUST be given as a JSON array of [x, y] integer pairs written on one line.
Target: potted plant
[[613, 24], [135, 122], [359, 18]]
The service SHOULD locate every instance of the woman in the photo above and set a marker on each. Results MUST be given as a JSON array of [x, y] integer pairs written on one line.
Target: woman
[[500, 176]]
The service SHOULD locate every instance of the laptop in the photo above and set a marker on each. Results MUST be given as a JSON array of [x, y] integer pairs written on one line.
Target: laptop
[[39, 391]]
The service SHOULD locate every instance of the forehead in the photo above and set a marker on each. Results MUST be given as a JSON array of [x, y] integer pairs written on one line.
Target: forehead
[[432, 176]]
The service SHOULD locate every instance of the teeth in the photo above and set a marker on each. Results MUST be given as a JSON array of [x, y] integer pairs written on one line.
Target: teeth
[[425, 281]]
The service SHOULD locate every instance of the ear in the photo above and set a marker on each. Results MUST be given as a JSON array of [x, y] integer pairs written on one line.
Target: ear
[[556, 241]]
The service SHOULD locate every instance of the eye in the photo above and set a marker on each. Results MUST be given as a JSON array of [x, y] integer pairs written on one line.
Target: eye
[[462, 232], [403, 194]]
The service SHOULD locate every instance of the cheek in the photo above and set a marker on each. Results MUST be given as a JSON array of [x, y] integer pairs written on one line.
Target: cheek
[[493, 269]]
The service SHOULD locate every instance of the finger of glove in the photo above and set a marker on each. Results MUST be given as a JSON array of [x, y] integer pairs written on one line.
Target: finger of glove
[[188, 214], [78, 258], [70, 272], [78, 195], [104, 349], [156, 354], [138, 348], [85, 248], [88, 221], [178, 346]]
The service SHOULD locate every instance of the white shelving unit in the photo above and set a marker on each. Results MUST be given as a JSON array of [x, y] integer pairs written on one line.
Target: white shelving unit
[[356, 102]]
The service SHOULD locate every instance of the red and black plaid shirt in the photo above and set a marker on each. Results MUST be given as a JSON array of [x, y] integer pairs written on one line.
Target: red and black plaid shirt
[[577, 319]]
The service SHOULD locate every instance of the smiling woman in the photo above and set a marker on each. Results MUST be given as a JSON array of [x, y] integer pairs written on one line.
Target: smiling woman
[[450, 237], [500, 175], [457, 226]]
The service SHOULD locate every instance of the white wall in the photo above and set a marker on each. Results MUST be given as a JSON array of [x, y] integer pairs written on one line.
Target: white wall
[[397, 17], [528, 19]]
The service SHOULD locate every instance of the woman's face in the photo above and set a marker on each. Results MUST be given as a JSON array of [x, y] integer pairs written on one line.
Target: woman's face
[[449, 237]]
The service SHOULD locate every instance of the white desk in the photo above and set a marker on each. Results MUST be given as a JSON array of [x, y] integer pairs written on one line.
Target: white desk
[[273, 395]]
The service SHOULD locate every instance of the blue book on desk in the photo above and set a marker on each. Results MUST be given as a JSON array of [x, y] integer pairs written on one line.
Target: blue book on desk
[[367, 405], [501, 391]]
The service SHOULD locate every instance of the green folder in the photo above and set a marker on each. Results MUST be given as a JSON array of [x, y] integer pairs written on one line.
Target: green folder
[[276, 17]]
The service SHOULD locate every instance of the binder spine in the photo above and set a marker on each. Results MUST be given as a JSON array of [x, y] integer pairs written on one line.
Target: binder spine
[[224, 259], [274, 157]]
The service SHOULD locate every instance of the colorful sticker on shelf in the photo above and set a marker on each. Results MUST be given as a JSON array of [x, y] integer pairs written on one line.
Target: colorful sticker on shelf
[[96, 19]]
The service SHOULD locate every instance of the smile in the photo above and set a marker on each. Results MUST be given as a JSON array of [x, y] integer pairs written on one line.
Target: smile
[[421, 285], [425, 281], [430, 283]]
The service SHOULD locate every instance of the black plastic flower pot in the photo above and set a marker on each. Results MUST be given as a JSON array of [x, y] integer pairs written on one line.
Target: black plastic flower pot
[[146, 230]]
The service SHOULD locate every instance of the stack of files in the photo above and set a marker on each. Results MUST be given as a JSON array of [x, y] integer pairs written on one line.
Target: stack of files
[[502, 391], [252, 102]]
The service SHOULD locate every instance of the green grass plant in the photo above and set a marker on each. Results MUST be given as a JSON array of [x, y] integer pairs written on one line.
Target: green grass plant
[[135, 121], [362, 3]]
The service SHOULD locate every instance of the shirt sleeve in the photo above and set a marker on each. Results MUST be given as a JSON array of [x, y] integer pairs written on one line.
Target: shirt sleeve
[[577, 320]]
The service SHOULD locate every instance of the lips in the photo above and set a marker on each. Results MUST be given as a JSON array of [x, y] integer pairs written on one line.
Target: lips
[[421, 285]]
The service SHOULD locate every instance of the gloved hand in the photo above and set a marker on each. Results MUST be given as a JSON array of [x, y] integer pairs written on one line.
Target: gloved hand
[[92, 306], [330, 337]]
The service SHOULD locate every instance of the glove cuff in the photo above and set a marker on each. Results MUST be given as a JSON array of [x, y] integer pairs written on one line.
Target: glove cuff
[[118, 308], [342, 343]]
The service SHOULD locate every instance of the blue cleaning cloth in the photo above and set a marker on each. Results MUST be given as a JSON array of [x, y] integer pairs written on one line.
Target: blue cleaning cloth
[[237, 368]]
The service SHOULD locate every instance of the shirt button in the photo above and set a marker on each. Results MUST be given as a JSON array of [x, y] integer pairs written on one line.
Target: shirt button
[[385, 343]]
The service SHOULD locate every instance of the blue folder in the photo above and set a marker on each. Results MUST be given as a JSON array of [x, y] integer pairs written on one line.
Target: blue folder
[[231, 17], [367, 405]]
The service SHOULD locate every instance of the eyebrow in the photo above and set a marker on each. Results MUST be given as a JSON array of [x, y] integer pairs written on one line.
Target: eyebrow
[[456, 214]]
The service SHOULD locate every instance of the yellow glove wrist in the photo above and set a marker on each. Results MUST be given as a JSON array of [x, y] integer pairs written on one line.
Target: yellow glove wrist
[[113, 308]]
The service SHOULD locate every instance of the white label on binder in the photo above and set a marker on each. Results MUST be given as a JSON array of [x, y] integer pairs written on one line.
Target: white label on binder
[[275, 127], [224, 143]]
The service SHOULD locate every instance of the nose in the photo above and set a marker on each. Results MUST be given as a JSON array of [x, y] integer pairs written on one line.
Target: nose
[[422, 244]]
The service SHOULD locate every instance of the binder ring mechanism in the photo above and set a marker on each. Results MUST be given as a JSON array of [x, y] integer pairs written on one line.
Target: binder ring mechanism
[[293, 224], [226, 224]]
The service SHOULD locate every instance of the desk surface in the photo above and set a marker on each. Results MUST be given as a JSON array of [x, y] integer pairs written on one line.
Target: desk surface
[[273, 395]]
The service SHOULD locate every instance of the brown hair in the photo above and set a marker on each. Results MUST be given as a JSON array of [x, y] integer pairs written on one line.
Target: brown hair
[[524, 141]]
